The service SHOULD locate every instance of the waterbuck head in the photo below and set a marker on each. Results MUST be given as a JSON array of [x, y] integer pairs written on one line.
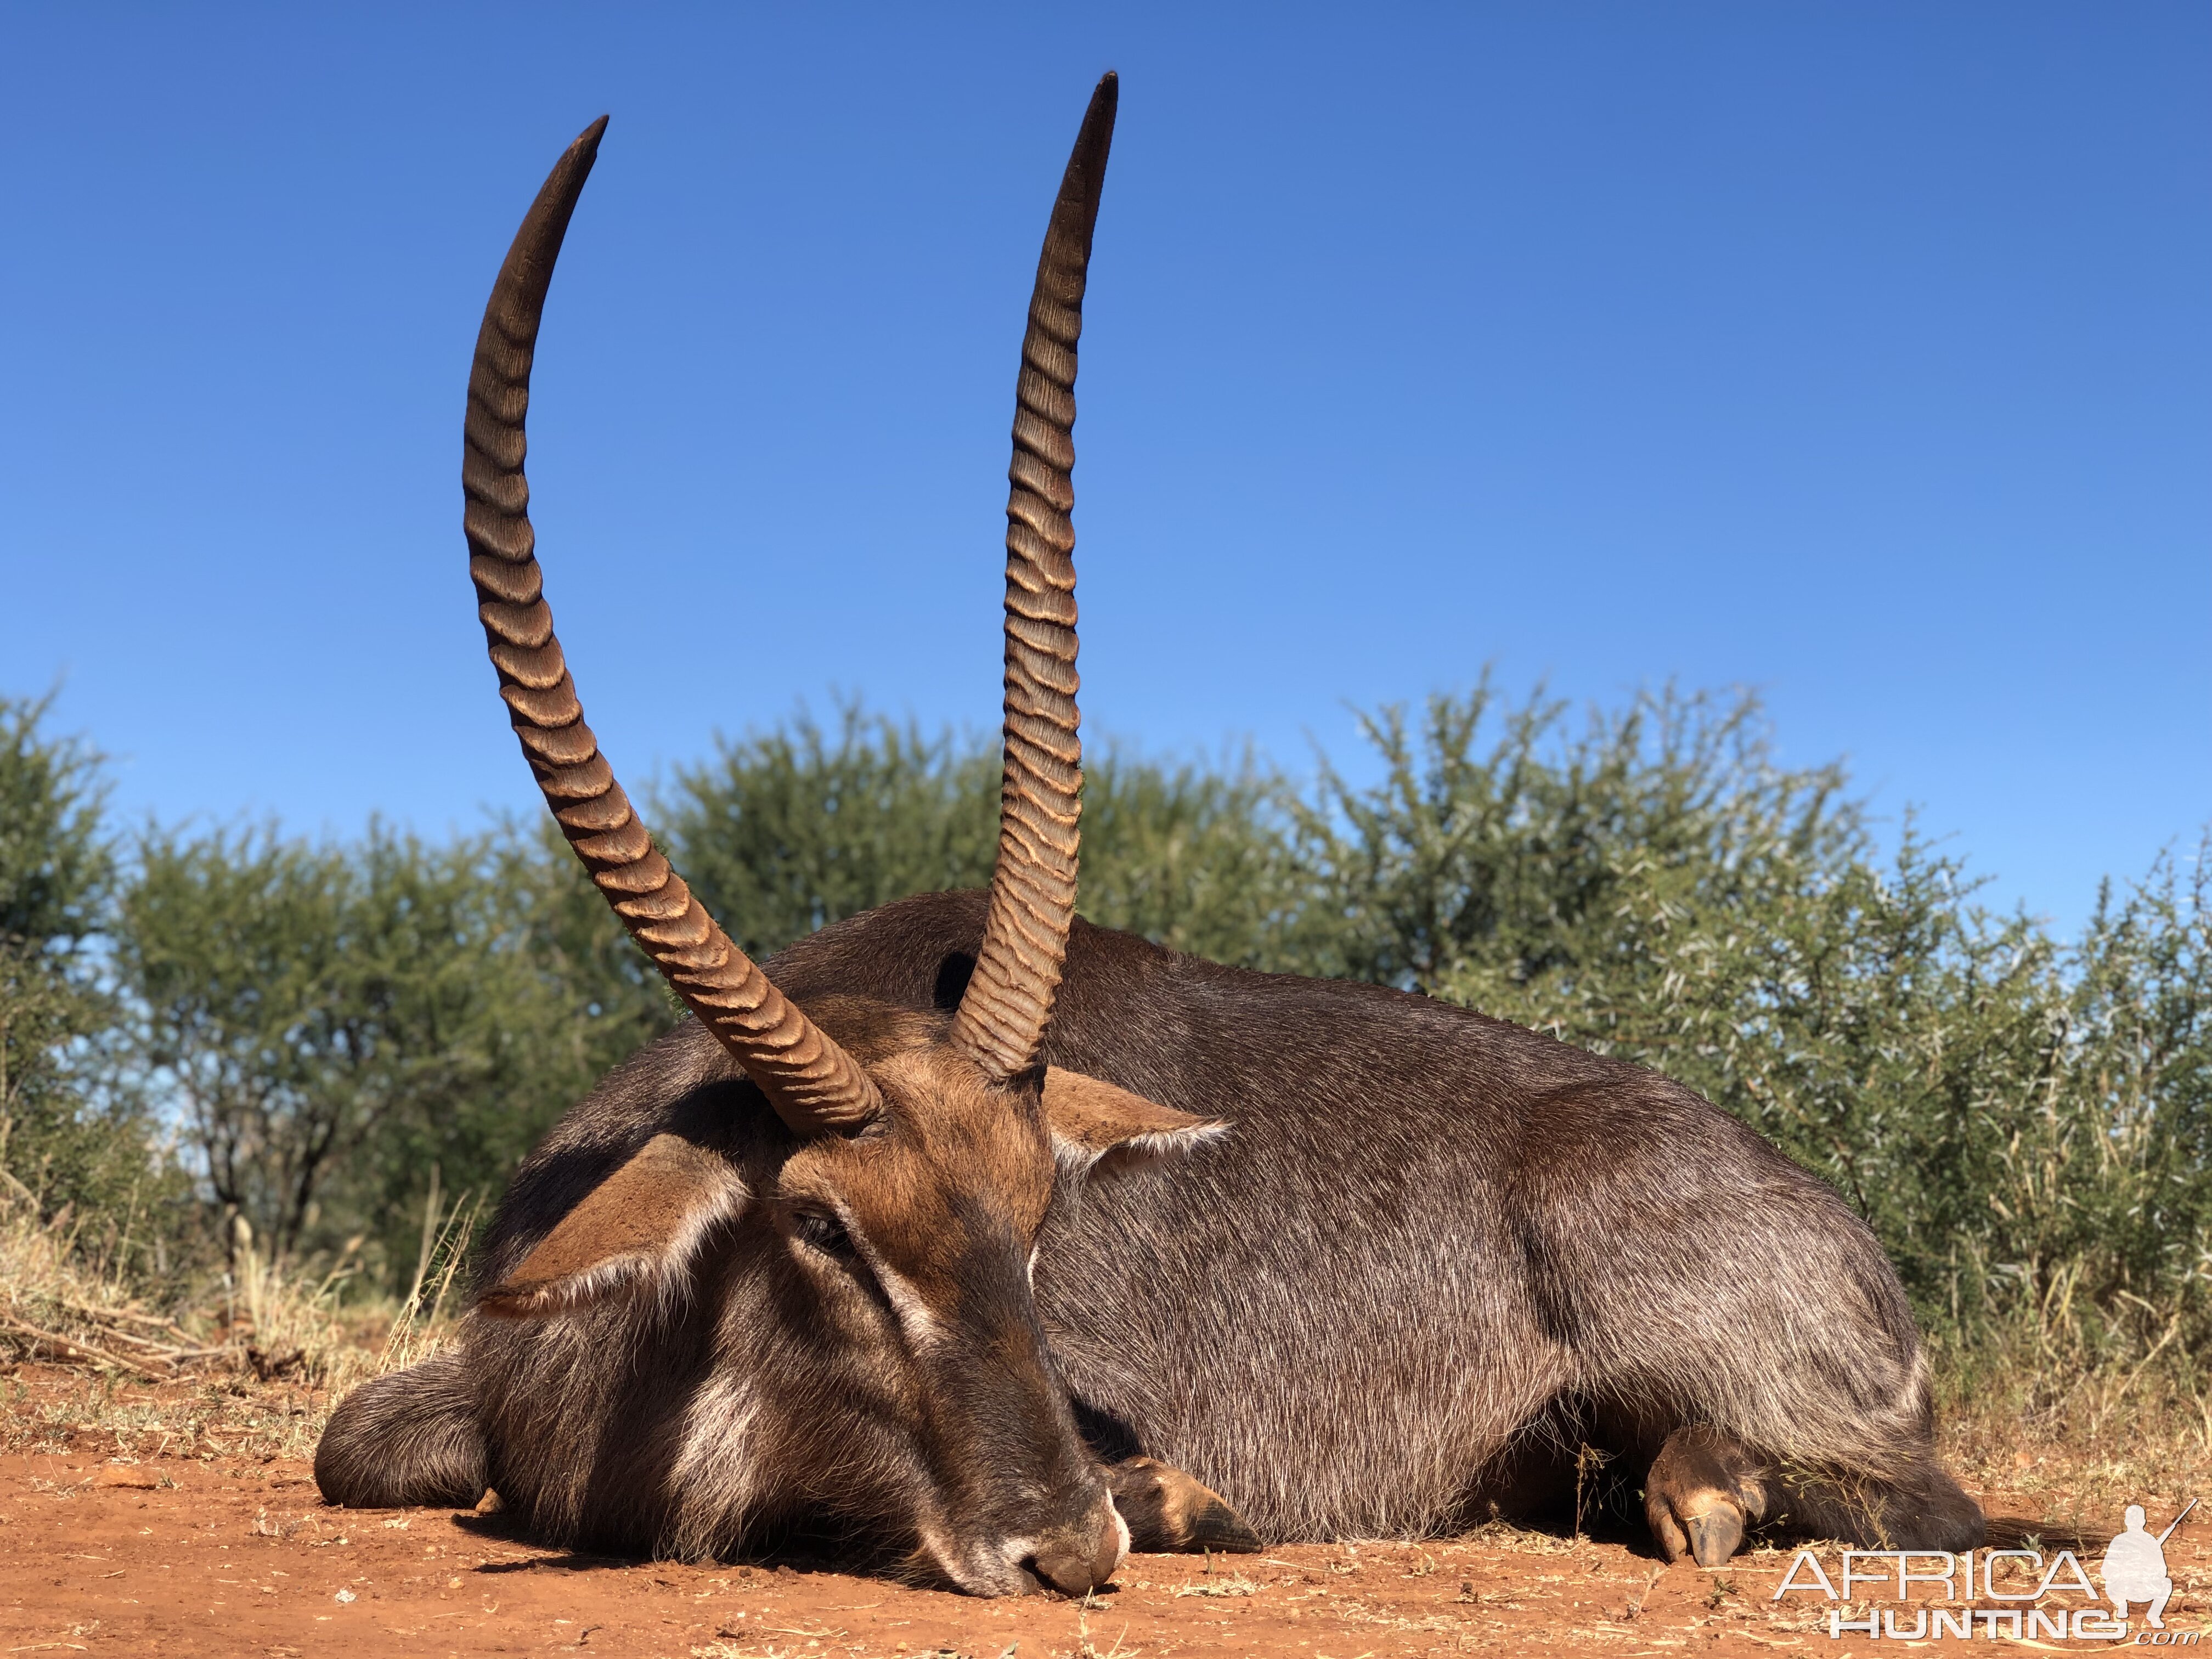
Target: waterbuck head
[[856, 1267]]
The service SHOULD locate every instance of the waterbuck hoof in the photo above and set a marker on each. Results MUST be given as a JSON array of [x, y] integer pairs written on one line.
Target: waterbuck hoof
[[1167, 1510], [1702, 1494], [1705, 1525]]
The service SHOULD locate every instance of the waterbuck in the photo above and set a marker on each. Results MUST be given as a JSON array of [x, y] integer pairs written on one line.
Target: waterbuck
[[980, 1243]]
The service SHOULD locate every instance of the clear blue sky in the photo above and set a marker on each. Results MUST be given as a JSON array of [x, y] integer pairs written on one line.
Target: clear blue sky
[[1861, 353]]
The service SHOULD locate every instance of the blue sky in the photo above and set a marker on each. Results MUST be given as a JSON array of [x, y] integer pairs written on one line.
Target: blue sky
[[1860, 353]]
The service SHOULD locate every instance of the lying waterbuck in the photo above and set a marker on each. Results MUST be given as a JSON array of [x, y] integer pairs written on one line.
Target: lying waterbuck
[[970, 1239]]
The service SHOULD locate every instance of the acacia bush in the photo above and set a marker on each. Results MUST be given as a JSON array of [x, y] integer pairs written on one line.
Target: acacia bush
[[797, 827], [72, 1143]]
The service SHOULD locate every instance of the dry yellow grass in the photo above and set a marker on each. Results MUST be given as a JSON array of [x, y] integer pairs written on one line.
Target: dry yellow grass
[[2075, 1449], [52, 1306], [260, 1323]]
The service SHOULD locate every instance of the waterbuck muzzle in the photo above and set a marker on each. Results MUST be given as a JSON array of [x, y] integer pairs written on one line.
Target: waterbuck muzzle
[[861, 1261]]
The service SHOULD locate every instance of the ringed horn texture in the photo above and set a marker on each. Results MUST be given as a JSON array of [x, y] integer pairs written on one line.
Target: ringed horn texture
[[814, 1085], [1008, 1003]]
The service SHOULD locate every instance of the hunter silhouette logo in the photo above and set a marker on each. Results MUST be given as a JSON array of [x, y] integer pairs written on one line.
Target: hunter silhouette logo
[[2135, 1566], [2025, 1589]]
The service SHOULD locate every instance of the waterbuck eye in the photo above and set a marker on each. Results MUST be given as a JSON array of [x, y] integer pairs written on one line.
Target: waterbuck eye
[[824, 1232]]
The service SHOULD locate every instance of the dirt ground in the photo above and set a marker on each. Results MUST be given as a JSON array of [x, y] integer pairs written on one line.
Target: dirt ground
[[182, 1519]]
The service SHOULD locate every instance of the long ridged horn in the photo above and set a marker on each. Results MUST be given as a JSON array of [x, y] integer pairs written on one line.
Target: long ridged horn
[[1008, 1003], [814, 1084]]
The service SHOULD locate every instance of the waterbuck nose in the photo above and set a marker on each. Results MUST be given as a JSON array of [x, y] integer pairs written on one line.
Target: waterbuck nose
[[1077, 1558]]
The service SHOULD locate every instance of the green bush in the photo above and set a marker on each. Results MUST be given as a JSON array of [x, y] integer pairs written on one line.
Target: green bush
[[332, 1023], [81, 1148], [793, 828]]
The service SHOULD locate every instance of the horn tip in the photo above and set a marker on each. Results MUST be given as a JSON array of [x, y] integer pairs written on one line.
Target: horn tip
[[587, 141]]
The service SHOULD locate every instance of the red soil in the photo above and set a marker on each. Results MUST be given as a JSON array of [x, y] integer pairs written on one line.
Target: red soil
[[215, 1553]]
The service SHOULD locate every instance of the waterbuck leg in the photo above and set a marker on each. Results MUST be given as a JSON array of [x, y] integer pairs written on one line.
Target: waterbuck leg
[[1702, 1492], [405, 1438], [1167, 1510]]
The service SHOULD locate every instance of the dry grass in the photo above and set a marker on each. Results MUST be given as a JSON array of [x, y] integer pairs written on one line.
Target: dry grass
[[248, 1370], [1228, 1584], [227, 1419], [273, 1320], [422, 1326], [2076, 1448], [52, 1306]]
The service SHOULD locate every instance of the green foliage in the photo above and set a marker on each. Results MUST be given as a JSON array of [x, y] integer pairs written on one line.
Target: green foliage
[[55, 864], [334, 1022], [795, 828], [1513, 853], [1198, 861], [64, 1136]]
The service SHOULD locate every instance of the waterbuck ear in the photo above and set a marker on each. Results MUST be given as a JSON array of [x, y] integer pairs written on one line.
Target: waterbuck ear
[[1096, 1124], [639, 1224]]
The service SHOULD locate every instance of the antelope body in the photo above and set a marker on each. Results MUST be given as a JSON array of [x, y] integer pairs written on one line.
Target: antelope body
[[973, 1239]]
